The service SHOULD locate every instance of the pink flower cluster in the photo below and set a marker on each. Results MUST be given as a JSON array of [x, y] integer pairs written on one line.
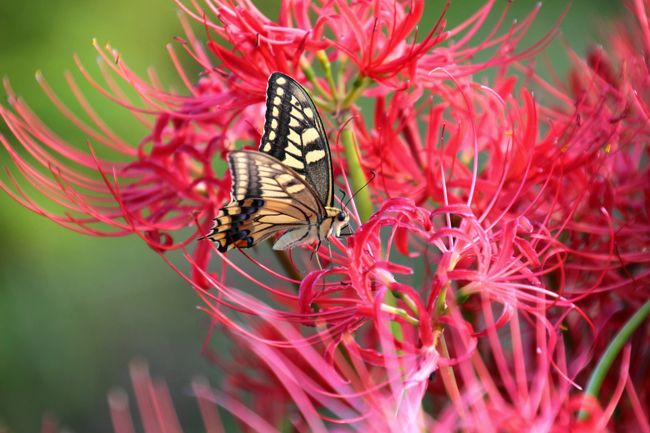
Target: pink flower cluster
[[506, 244]]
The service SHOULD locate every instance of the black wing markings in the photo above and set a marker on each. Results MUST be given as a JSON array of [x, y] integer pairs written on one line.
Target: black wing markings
[[295, 135]]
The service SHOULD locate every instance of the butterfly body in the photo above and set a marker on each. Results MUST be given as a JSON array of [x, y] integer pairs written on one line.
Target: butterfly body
[[287, 185]]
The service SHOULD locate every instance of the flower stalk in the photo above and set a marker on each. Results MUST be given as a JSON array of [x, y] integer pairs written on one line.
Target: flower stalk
[[611, 353], [359, 84], [327, 72], [357, 175]]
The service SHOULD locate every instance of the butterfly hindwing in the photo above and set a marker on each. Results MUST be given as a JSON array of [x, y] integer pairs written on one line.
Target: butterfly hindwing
[[294, 134], [258, 175], [267, 197]]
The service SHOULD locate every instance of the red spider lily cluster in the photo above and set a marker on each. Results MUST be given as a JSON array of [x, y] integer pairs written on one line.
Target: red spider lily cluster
[[501, 237]]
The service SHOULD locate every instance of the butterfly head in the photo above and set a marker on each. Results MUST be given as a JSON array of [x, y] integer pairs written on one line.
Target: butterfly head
[[339, 220]]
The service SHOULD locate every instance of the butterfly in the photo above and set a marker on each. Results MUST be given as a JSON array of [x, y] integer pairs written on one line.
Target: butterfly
[[285, 186]]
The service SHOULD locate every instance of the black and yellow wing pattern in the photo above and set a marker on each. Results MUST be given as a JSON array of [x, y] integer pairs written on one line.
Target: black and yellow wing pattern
[[267, 197], [286, 186], [294, 134]]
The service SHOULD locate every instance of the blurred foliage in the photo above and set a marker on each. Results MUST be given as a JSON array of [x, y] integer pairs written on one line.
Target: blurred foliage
[[73, 309]]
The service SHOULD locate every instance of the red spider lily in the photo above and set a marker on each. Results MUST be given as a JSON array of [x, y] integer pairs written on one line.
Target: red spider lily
[[380, 38], [166, 181], [577, 168], [465, 270], [608, 257], [512, 392], [619, 90], [498, 255], [511, 231]]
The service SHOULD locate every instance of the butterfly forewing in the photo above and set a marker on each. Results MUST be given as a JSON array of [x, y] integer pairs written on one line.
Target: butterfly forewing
[[294, 134], [267, 197]]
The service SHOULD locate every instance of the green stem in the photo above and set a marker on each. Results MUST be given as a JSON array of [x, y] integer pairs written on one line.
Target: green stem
[[327, 70], [322, 104], [448, 377], [441, 301], [340, 82], [406, 299], [358, 86], [612, 351], [310, 74], [358, 177], [401, 313], [287, 265], [389, 306]]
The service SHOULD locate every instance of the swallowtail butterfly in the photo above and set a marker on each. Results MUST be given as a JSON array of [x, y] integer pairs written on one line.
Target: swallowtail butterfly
[[285, 186]]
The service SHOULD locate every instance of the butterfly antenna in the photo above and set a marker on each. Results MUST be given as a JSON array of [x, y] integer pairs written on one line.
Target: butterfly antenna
[[343, 194], [372, 177]]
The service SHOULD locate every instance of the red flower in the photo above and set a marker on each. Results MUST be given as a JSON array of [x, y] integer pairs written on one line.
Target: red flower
[[164, 183], [508, 246]]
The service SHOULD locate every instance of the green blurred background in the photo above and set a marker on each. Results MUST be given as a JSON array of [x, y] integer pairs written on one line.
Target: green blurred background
[[74, 310]]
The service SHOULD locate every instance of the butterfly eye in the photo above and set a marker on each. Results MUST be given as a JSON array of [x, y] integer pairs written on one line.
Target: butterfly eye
[[341, 216]]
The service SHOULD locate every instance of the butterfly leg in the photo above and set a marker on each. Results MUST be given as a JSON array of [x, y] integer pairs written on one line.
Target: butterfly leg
[[315, 253]]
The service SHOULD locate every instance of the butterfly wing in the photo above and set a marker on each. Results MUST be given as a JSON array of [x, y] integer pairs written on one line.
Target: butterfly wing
[[294, 134], [267, 197]]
